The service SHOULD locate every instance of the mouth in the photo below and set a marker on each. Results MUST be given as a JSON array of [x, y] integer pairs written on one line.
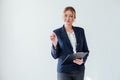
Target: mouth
[[67, 21]]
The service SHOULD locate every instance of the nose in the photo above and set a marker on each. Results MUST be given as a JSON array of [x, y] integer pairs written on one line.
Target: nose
[[67, 18]]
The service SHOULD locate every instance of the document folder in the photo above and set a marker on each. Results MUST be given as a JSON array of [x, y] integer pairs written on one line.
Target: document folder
[[69, 59]]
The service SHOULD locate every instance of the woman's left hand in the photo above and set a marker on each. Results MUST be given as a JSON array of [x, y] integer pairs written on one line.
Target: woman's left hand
[[78, 61]]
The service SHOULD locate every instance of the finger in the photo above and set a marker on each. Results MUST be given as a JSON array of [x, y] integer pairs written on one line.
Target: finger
[[53, 34], [78, 61]]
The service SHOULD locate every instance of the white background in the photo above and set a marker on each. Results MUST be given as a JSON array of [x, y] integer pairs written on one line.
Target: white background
[[25, 26]]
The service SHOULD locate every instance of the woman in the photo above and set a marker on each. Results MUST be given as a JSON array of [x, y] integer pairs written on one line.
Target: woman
[[68, 40]]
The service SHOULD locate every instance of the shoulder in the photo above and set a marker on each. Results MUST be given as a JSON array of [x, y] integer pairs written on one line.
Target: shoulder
[[78, 28], [58, 30]]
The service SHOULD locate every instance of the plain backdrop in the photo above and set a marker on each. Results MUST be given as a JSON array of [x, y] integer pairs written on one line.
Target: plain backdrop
[[25, 27]]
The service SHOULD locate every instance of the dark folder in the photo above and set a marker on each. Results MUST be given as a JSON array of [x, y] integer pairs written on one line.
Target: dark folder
[[69, 59]]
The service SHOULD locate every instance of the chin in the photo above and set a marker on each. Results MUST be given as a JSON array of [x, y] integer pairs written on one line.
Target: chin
[[68, 24]]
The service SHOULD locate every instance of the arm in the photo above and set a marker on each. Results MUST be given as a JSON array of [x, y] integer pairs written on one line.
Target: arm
[[85, 47], [55, 49]]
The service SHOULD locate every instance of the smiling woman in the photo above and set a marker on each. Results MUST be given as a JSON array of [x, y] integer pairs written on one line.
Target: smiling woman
[[68, 40], [25, 46]]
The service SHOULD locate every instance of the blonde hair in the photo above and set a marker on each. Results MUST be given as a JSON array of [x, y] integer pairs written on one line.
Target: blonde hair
[[70, 8]]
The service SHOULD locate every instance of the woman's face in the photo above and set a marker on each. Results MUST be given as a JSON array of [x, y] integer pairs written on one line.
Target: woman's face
[[68, 18]]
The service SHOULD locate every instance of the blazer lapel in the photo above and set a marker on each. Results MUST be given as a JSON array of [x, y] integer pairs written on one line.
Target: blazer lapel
[[78, 37], [66, 39], [76, 34]]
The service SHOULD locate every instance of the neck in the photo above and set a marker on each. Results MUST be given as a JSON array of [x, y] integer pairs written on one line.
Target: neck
[[68, 28]]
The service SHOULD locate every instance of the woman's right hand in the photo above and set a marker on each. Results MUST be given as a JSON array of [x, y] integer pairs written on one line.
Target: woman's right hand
[[54, 39]]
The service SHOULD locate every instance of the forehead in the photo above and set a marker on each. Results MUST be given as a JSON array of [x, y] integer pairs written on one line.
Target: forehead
[[68, 12]]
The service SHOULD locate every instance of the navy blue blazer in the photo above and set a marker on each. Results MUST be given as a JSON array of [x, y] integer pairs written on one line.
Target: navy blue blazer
[[64, 48]]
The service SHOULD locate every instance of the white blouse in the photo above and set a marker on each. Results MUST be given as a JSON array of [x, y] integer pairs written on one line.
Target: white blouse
[[72, 39]]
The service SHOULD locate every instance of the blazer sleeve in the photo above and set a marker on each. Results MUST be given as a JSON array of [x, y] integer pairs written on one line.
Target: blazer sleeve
[[55, 52], [85, 47]]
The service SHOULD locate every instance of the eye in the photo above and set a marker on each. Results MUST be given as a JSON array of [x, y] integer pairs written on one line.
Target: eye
[[65, 15], [71, 16]]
